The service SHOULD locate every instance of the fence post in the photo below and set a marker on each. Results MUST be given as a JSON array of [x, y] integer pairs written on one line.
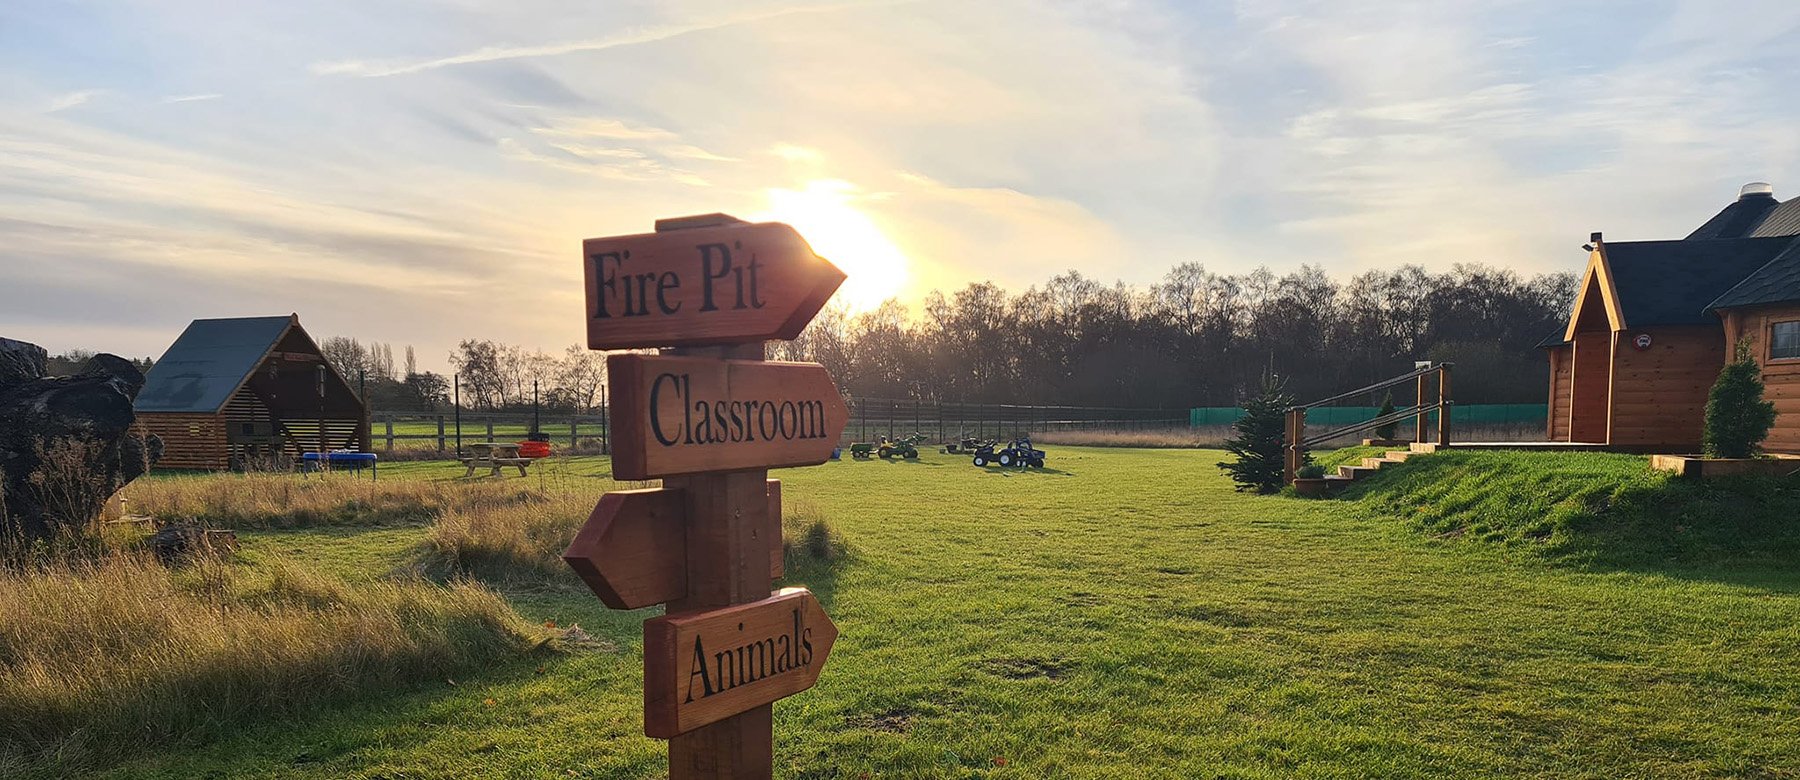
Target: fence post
[[440, 438], [490, 429], [573, 430], [1444, 405], [1296, 427], [390, 433], [1419, 403]]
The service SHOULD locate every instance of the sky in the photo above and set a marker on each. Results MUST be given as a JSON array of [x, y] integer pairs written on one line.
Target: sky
[[423, 172]]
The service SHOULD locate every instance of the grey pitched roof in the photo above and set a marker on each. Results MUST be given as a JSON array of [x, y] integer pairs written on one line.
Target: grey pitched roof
[[1783, 220], [1776, 282], [1738, 219], [207, 363], [1665, 282]]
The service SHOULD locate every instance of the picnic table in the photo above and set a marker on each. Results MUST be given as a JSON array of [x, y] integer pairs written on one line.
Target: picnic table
[[493, 455]]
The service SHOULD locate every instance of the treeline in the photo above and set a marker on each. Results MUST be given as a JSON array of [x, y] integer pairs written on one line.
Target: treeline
[[1197, 338], [75, 361], [489, 376]]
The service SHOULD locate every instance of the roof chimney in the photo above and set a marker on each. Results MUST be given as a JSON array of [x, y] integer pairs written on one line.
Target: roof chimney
[[1756, 189]]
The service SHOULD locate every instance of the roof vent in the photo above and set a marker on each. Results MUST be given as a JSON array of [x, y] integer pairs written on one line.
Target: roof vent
[[1756, 188]]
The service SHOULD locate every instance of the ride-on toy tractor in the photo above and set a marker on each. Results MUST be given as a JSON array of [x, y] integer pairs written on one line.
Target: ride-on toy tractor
[[967, 444], [904, 447], [1020, 453], [862, 450]]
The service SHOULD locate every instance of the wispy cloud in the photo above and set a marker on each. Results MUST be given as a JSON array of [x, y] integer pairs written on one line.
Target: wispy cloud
[[630, 37], [192, 98], [72, 99]]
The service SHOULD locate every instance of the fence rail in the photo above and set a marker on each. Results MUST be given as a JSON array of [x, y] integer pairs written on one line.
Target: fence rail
[[873, 418]]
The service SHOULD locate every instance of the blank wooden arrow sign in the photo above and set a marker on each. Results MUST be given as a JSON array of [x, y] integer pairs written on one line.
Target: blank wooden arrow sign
[[632, 552], [731, 283], [703, 667], [679, 415]]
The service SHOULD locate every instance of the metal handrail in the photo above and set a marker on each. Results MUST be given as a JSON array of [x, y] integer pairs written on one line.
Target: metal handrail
[[1398, 416], [1416, 373]]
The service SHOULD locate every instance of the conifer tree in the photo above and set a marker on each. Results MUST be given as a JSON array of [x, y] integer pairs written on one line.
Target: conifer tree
[[1390, 430], [1261, 437], [1737, 417]]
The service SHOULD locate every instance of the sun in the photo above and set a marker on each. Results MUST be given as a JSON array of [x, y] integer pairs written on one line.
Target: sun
[[824, 213]]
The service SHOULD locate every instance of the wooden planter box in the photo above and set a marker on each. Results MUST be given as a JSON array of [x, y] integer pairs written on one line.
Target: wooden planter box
[[1696, 466], [1311, 487]]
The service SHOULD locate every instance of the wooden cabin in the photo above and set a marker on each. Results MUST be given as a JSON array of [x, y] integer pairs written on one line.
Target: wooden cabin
[[1655, 321], [246, 392]]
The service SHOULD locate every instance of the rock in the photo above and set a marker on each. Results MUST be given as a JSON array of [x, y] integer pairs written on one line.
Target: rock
[[66, 443], [177, 543]]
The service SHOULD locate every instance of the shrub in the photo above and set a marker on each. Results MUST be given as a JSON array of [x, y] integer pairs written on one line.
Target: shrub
[[1390, 430], [1737, 417], [1261, 436], [100, 656], [1310, 471]]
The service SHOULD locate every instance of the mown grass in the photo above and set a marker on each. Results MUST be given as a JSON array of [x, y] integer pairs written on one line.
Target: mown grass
[[1126, 614], [101, 658]]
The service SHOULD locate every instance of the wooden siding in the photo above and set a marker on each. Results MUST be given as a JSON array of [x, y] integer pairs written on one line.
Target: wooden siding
[[1589, 382], [1781, 378], [1557, 427], [190, 441], [1659, 394]]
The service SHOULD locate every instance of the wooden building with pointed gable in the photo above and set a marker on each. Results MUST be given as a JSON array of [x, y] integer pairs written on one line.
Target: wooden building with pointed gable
[[247, 391], [1655, 321]]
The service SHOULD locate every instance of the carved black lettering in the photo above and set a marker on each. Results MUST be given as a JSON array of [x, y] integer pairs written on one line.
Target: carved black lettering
[[656, 407], [715, 263], [668, 281], [606, 281], [699, 670]]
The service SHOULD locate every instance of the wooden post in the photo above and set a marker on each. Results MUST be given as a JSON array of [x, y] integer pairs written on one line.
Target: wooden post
[[574, 431], [728, 563], [490, 429], [389, 425], [440, 436], [1296, 428], [1444, 404], [1419, 402]]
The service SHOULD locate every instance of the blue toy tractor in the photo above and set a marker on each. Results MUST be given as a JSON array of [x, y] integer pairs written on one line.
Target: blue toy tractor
[[1020, 453]]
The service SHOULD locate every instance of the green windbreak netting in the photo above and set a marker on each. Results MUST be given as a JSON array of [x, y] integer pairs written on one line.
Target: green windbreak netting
[[1473, 414]]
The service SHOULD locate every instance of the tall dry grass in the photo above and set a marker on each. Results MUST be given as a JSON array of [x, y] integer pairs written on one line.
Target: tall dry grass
[[98, 657], [520, 545], [266, 500]]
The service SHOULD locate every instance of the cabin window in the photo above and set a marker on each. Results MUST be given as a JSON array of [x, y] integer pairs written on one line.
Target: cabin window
[[1784, 340]]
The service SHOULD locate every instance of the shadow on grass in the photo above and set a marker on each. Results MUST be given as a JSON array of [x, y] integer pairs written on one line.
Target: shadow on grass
[[1604, 511]]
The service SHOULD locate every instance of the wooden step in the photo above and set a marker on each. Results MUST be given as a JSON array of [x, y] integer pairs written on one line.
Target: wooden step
[[1400, 456], [1376, 463], [1354, 472], [1424, 448]]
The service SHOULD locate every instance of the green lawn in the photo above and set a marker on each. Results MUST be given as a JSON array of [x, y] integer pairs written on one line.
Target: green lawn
[[1126, 614]]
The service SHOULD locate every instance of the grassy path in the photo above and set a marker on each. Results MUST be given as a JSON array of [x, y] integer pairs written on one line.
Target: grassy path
[[1127, 615]]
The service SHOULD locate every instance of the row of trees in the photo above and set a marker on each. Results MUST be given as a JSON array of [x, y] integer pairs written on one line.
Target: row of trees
[[1198, 338], [1195, 338]]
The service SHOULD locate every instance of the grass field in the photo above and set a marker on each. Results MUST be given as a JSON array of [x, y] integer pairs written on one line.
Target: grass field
[[1126, 614]]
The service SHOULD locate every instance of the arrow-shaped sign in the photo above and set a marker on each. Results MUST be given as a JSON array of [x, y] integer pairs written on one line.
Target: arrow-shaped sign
[[703, 667], [730, 283], [680, 415], [632, 552]]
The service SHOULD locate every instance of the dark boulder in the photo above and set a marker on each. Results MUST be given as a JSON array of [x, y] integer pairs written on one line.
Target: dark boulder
[[66, 443]]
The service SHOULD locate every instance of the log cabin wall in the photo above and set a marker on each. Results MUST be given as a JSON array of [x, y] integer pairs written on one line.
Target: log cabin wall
[[1557, 427], [1659, 393], [190, 441], [1781, 377]]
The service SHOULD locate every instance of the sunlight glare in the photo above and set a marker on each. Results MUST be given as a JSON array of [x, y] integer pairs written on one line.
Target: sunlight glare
[[824, 214]]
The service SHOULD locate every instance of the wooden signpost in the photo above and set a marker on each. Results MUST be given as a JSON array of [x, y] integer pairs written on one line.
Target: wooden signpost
[[710, 417]]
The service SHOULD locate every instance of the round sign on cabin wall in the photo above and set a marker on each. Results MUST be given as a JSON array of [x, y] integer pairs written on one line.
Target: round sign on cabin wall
[[1642, 342]]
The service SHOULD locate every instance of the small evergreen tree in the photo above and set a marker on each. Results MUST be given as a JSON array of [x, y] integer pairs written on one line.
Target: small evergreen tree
[[1392, 429], [1261, 435], [1737, 417]]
